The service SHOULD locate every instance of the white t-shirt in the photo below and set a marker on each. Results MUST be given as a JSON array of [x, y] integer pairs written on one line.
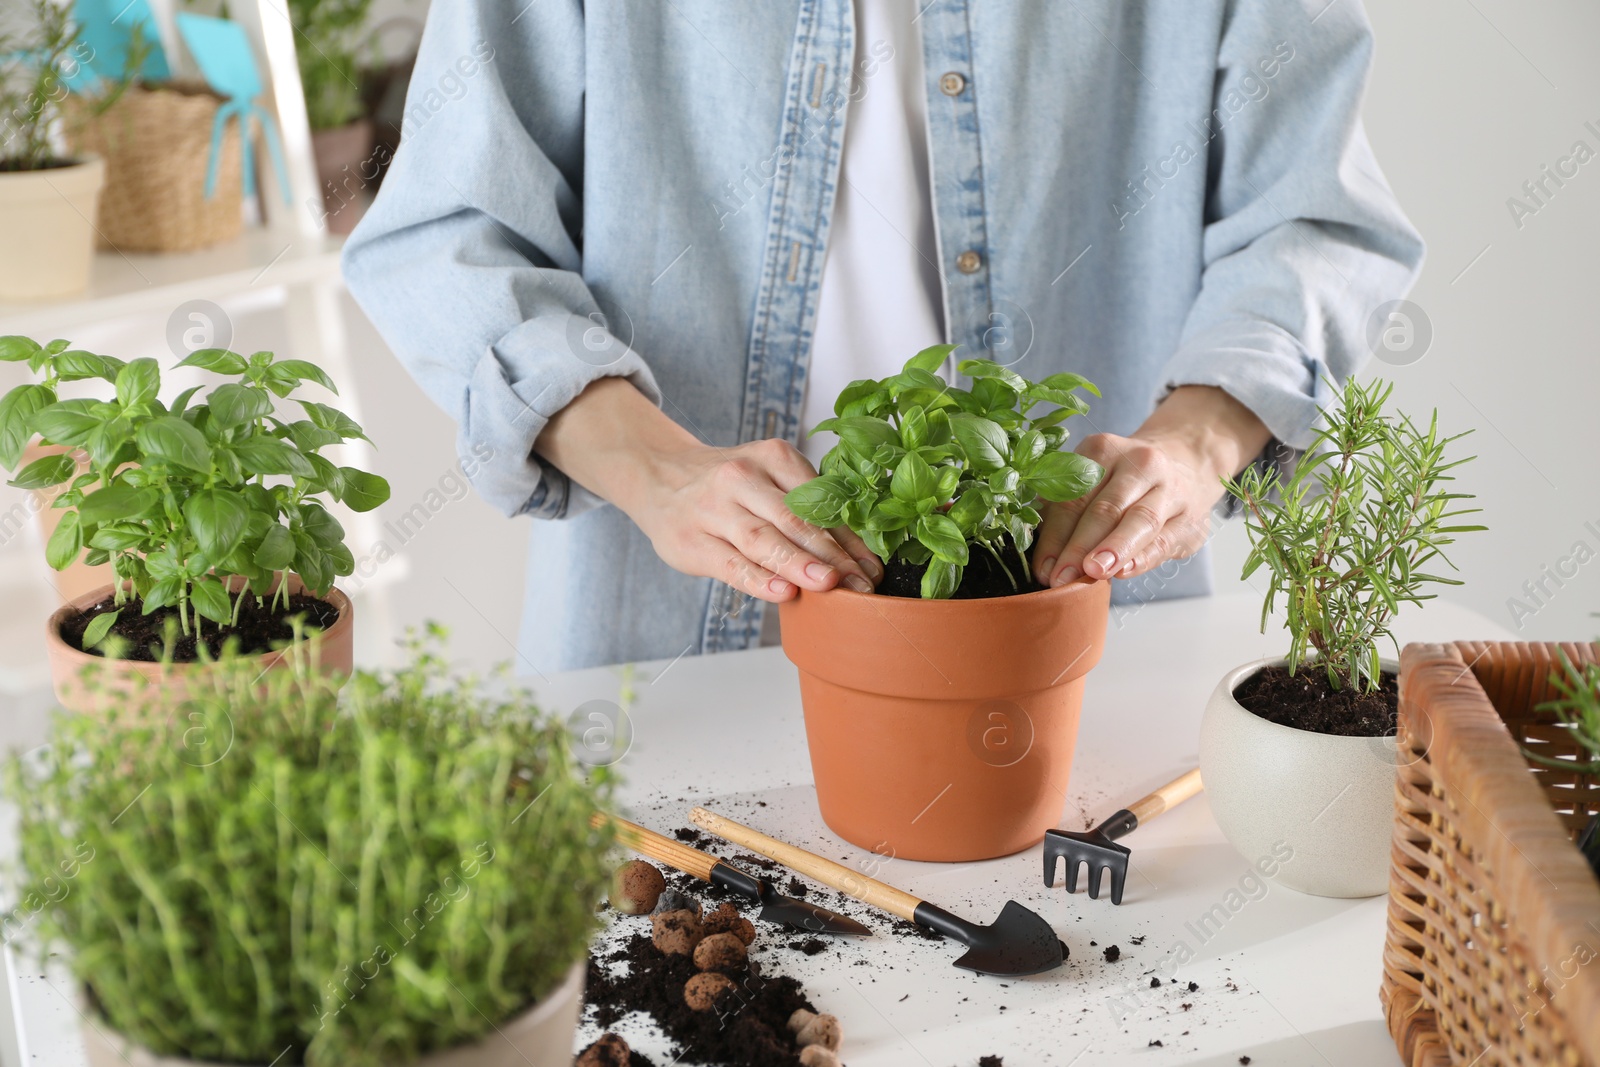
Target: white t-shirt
[[880, 300]]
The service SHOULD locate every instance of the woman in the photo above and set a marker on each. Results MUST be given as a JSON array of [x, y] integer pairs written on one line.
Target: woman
[[636, 248]]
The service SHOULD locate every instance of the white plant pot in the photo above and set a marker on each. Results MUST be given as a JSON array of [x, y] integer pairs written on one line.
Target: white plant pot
[[542, 1036], [47, 230], [1327, 800]]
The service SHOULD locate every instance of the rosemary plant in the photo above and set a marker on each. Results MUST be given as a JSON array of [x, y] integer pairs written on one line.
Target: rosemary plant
[[1345, 540], [283, 873]]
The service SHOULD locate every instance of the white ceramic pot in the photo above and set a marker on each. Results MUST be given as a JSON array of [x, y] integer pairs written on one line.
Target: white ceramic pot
[[542, 1036], [1325, 801], [46, 227]]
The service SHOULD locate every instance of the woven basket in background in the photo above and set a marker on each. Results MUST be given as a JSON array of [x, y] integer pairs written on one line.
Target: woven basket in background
[[156, 144], [1492, 954]]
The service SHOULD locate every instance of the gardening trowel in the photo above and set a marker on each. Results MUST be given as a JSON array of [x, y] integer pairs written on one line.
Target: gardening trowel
[[1019, 942], [775, 907], [1098, 847]]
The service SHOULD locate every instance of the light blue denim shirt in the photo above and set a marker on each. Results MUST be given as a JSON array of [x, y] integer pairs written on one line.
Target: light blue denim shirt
[[1153, 193]]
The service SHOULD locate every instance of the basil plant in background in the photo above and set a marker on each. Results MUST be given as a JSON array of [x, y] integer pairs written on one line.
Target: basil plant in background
[[178, 499], [926, 472], [1345, 539]]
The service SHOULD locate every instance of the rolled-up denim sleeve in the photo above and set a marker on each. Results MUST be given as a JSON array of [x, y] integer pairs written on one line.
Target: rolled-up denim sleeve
[[469, 261], [1304, 239]]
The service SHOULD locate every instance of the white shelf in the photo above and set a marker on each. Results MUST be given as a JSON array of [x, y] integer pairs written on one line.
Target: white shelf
[[132, 283]]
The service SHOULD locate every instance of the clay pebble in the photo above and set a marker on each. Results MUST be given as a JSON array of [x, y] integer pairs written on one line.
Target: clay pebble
[[701, 991], [720, 952], [609, 1050], [637, 887], [676, 933]]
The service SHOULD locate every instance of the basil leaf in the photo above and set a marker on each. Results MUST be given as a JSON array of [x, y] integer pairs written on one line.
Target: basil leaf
[[983, 440], [940, 580], [931, 358], [171, 439], [98, 627], [234, 404], [943, 537], [217, 519], [138, 382], [363, 491], [211, 600], [215, 359], [913, 479], [118, 502], [65, 543], [14, 349], [1063, 476], [863, 434], [820, 501], [43, 473]]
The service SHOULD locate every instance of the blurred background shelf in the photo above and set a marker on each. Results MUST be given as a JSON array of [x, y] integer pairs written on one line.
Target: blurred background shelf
[[132, 283]]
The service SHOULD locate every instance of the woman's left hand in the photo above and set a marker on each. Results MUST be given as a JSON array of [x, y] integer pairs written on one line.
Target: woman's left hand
[[1155, 501]]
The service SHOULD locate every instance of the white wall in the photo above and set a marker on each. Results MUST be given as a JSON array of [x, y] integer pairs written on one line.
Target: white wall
[[1469, 99]]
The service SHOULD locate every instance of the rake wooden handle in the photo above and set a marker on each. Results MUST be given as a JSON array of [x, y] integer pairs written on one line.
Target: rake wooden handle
[[649, 843], [1167, 797], [836, 875]]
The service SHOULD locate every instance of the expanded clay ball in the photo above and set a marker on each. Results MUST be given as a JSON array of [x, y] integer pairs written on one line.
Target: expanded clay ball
[[819, 1056], [609, 1051], [798, 1020], [727, 920], [637, 887], [720, 952], [701, 991], [676, 932], [820, 1030]]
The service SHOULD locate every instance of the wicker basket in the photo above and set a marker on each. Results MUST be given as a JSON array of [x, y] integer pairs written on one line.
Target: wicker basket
[[157, 144], [1492, 954]]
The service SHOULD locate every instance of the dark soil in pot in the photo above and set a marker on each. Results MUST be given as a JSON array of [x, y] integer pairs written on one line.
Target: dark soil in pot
[[1305, 701], [983, 576], [261, 628]]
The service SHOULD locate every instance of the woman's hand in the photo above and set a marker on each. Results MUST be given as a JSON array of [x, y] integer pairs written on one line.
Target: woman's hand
[[710, 512], [1155, 501]]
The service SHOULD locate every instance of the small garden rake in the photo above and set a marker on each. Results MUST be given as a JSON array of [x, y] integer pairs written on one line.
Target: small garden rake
[[1098, 847]]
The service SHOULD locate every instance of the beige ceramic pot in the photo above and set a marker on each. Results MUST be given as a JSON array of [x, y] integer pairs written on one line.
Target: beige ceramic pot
[[541, 1037], [944, 729], [1316, 807], [47, 214], [116, 681]]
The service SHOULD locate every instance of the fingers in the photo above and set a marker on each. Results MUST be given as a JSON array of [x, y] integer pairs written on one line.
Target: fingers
[[728, 564], [1084, 552], [858, 551], [1058, 523]]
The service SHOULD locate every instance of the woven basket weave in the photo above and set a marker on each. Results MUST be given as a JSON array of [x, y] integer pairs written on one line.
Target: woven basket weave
[[156, 144], [1492, 954]]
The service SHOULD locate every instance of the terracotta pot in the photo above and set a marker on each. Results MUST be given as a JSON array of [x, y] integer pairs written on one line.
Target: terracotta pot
[[1314, 811], [541, 1035], [346, 170], [47, 213], [119, 680], [944, 729]]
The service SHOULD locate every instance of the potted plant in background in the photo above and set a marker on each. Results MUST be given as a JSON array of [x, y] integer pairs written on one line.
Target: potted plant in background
[[397, 870], [155, 135], [46, 200], [211, 514], [329, 36], [1344, 541], [941, 712]]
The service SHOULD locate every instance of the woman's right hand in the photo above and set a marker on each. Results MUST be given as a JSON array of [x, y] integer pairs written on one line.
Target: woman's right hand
[[710, 512]]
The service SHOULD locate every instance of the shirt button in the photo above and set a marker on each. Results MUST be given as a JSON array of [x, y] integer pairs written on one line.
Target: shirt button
[[952, 84], [968, 262]]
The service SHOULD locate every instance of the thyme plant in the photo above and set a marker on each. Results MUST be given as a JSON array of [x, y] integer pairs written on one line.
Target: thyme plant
[[1345, 539], [281, 872], [925, 472], [31, 86], [179, 499]]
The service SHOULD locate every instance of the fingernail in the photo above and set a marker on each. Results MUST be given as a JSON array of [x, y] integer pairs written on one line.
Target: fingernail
[[871, 566], [1046, 567], [779, 586], [1068, 574], [858, 583], [1105, 560], [818, 572]]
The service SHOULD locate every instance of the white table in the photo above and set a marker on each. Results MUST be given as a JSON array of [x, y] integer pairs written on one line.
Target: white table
[[726, 731]]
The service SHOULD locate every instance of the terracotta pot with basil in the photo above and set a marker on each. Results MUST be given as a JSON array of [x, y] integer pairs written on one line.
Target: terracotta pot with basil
[[201, 507], [942, 710], [1298, 753]]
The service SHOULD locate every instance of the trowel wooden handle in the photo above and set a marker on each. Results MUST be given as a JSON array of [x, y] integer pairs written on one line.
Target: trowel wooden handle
[[649, 843], [1167, 797], [837, 875]]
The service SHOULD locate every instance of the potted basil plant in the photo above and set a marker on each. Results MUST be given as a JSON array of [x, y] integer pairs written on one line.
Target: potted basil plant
[[401, 870], [1301, 749], [942, 710], [46, 200], [210, 511]]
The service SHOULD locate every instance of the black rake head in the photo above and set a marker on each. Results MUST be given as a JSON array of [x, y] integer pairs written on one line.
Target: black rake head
[[1093, 848]]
